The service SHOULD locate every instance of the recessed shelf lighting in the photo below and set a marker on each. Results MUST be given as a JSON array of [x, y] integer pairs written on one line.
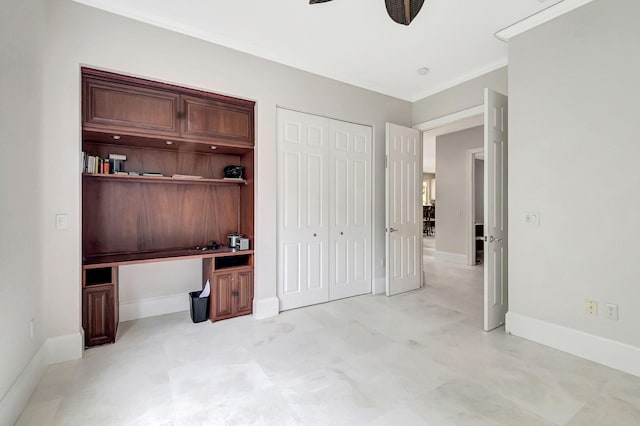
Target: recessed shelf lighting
[[115, 137], [169, 143], [423, 71], [213, 147]]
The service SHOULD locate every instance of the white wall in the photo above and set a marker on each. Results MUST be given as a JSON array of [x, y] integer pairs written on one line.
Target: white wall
[[79, 35], [574, 92], [463, 96], [428, 154], [21, 193], [452, 215]]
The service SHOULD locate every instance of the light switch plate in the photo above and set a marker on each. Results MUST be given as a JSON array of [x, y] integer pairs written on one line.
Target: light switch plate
[[532, 218], [62, 221]]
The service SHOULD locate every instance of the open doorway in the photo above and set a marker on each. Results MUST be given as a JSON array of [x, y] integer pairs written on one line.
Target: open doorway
[[447, 212], [491, 119], [475, 206], [428, 194]]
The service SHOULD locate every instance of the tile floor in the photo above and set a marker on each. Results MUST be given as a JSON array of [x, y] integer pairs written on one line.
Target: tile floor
[[415, 359]]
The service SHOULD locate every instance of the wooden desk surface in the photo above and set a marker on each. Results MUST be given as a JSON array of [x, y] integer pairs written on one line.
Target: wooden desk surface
[[118, 259]]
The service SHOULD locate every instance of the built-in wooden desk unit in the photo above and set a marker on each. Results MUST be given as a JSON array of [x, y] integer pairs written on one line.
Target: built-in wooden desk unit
[[184, 138]]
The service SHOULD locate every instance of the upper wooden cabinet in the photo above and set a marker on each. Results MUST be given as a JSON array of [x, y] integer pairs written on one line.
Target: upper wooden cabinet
[[121, 105], [125, 108], [207, 119]]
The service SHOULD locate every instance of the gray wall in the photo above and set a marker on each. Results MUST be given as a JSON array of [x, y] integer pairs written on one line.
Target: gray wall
[[574, 91], [463, 96], [21, 192], [452, 215], [79, 35]]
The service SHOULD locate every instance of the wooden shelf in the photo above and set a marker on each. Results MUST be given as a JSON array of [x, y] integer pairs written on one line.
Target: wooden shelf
[[118, 259], [163, 179], [178, 144]]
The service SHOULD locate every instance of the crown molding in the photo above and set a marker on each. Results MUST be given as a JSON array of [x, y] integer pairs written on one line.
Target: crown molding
[[539, 18]]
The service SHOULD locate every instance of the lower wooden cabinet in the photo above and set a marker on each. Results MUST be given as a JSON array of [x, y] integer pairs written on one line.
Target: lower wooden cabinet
[[100, 306], [231, 293]]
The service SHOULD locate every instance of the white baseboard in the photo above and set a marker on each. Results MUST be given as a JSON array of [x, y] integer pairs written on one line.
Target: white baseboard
[[154, 306], [64, 348], [19, 393], [266, 308], [379, 286], [594, 348], [450, 257]]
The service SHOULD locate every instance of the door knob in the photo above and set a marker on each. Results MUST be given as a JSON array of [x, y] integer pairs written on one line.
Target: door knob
[[392, 230]]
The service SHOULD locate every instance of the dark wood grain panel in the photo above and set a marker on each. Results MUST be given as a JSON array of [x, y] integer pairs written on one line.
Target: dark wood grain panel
[[247, 198], [121, 107], [221, 300], [244, 291], [99, 314], [129, 217], [211, 119]]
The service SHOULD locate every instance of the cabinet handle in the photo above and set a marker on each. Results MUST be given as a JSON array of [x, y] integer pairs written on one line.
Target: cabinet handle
[[315, 235], [342, 233]]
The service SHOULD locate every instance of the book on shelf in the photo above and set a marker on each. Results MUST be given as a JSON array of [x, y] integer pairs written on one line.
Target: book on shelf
[[97, 165], [152, 174], [234, 179]]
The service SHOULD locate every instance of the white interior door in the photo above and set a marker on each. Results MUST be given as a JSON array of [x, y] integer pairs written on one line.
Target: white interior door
[[350, 209], [495, 209], [404, 209], [303, 209]]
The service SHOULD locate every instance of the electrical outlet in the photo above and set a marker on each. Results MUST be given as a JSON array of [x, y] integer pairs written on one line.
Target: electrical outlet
[[612, 311], [591, 307]]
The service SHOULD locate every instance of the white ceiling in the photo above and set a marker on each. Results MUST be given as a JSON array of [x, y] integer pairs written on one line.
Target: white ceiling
[[353, 41]]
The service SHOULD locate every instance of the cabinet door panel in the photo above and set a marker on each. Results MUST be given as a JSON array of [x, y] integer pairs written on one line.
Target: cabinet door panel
[[243, 284], [221, 304], [99, 319], [210, 119], [126, 108]]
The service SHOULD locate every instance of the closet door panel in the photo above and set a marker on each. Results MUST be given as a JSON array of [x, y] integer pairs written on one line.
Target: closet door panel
[[350, 227], [303, 220]]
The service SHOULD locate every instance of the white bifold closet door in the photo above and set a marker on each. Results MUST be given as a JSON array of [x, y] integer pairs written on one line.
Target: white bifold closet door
[[324, 209], [350, 209]]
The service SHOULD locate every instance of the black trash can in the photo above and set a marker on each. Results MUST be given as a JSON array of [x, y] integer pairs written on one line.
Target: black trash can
[[199, 307]]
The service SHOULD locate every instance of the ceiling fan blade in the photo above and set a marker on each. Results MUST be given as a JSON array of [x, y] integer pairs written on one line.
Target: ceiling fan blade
[[403, 11], [318, 1]]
